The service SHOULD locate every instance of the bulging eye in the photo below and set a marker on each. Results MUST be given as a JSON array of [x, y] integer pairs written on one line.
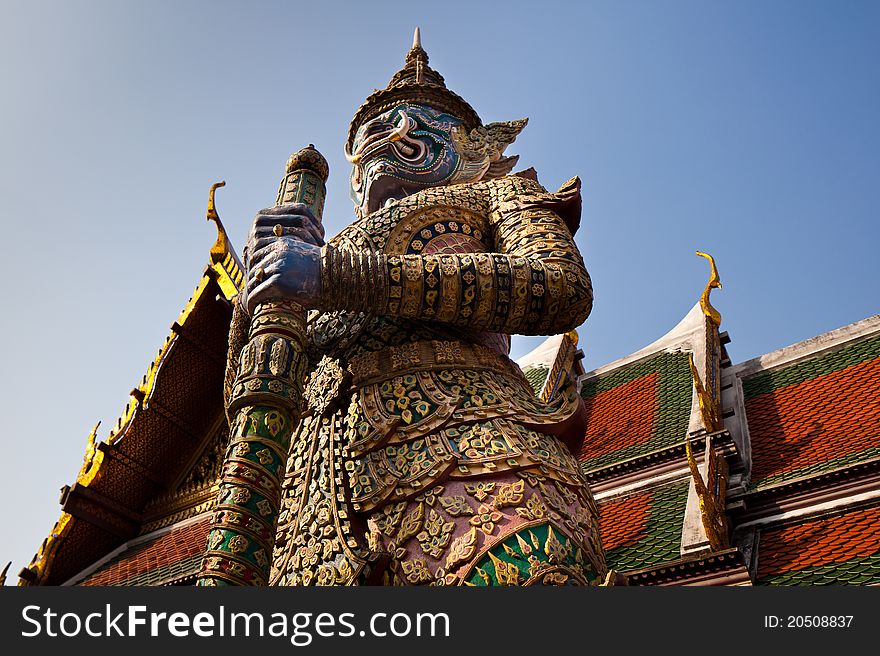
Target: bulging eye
[[410, 150], [406, 150]]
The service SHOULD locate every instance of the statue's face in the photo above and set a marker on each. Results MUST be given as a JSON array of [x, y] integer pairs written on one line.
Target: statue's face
[[400, 152]]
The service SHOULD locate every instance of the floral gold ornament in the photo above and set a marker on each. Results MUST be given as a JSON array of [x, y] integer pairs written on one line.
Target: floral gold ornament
[[456, 505], [462, 548], [485, 519], [480, 490], [510, 494]]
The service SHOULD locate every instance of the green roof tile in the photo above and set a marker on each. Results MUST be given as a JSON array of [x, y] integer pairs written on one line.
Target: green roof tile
[[858, 571], [671, 409], [536, 376], [770, 381], [166, 573], [662, 541], [821, 467]]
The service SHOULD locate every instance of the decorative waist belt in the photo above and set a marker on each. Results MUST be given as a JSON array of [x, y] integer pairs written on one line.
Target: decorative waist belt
[[426, 356]]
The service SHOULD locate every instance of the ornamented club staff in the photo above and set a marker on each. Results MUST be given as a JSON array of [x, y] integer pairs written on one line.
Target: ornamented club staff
[[264, 386]]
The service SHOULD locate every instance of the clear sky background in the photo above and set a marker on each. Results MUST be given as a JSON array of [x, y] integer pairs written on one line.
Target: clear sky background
[[746, 129]]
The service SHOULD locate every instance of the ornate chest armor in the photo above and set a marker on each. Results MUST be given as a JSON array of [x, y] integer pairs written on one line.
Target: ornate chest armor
[[426, 457]]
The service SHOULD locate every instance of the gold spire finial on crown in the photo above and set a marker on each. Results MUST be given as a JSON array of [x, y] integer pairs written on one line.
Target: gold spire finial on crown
[[417, 48]]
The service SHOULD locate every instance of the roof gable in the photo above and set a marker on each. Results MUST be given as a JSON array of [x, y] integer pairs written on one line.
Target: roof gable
[[166, 428]]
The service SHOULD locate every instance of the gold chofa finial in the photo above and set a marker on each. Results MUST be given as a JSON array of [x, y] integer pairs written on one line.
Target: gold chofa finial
[[91, 449], [417, 38], [212, 209], [714, 283], [221, 247]]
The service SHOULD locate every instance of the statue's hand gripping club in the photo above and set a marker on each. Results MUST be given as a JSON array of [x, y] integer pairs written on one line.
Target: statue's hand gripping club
[[283, 279], [263, 403], [283, 257]]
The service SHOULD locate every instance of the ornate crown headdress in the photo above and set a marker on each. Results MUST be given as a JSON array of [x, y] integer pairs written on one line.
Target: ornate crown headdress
[[482, 147], [416, 83]]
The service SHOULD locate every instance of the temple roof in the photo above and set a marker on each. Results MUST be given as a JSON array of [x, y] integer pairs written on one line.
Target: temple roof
[[167, 557], [843, 549], [814, 415], [642, 529], [809, 415], [645, 402], [544, 367]]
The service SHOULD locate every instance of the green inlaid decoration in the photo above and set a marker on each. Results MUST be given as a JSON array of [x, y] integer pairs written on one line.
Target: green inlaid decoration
[[530, 553], [239, 546]]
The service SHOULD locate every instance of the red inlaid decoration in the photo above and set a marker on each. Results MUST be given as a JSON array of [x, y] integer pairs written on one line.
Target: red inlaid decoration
[[831, 416], [453, 243], [621, 417], [822, 542]]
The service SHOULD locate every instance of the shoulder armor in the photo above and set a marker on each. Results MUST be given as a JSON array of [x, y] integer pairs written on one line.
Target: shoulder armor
[[514, 193]]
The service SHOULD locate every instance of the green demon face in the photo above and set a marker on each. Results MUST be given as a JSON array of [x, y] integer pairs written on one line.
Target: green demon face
[[400, 152]]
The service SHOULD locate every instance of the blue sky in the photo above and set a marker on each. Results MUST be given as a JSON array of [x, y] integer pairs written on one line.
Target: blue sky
[[745, 129]]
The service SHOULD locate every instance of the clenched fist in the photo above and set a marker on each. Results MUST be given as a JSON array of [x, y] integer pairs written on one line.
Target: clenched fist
[[283, 257]]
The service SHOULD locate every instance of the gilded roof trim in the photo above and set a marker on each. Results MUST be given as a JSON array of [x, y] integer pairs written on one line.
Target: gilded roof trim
[[224, 261]]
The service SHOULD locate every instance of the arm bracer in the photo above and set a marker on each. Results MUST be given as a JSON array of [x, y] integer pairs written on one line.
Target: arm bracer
[[534, 283]]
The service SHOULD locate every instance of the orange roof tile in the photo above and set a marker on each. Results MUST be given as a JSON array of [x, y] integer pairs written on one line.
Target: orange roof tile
[[623, 522], [152, 562], [620, 417], [827, 418], [846, 538]]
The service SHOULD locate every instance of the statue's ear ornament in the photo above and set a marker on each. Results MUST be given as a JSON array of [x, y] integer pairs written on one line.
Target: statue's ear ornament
[[482, 148]]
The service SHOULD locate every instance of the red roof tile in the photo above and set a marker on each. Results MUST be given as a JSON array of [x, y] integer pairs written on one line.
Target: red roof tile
[[819, 542], [623, 522], [826, 418], [623, 416], [178, 544]]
